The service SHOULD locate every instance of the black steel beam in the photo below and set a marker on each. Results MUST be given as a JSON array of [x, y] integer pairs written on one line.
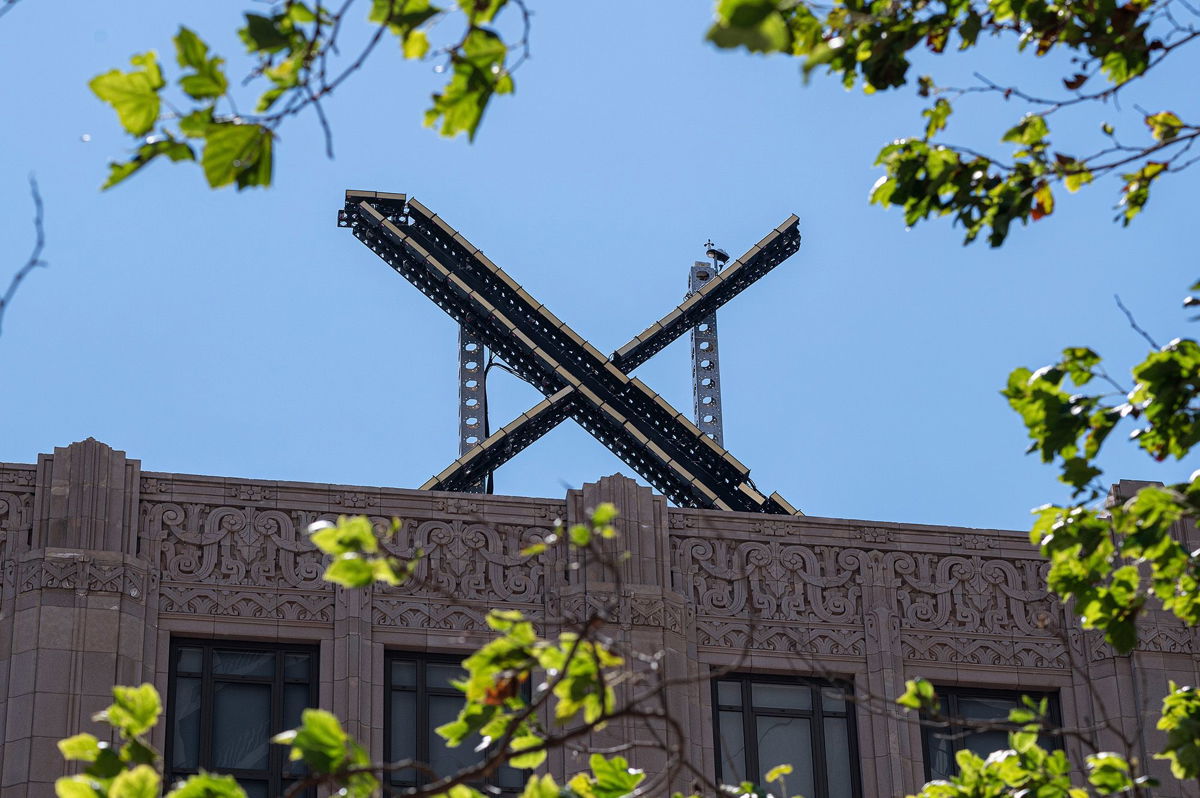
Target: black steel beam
[[630, 419]]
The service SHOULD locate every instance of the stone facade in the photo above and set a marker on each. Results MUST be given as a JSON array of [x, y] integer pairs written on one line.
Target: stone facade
[[102, 563]]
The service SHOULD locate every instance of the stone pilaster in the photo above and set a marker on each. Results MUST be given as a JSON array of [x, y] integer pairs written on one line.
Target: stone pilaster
[[77, 618]]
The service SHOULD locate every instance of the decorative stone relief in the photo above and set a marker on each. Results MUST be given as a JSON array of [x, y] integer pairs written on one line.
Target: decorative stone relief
[[245, 603], [232, 545], [78, 571], [775, 580], [966, 594], [466, 560]]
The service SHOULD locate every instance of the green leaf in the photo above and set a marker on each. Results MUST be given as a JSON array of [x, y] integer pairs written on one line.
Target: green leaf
[[1181, 721], [207, 785], [579, 535], [756, 25], [1029, 131], [526, 761], [262, 35], [613, 777], [937, 116], [83, 747], [919, 694], [175, 150], [208, 80], [1109, 773], [604, 514], [543, 787], [75, 787], [353, 534], [775, 773], [416, 44], [1164, 125], [479, 73], [134, 710], [142, 781], [350, 570], [133, 95], [319, 741], [240, 152]]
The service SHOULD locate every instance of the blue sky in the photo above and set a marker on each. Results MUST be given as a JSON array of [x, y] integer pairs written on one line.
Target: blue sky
[[246, 335]]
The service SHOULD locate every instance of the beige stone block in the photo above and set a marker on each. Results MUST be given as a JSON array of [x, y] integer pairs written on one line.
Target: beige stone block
[[22, 673], [54, 668], [50, 717], [16, 763], [102, 627], [46, 762], [56, 627], [25, 629]]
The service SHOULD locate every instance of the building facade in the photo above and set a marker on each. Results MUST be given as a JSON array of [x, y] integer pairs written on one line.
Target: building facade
[[208, 588]]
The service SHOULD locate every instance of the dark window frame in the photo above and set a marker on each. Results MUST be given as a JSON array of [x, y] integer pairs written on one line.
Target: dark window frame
[[422, 692], [958, 732], [277, 754], [816, 717]]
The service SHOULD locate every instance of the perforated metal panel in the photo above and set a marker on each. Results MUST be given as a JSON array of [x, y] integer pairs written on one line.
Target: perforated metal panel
[[706, 368]]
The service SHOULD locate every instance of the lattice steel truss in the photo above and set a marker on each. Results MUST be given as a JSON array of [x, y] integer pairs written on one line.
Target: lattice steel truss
[[635, 423]]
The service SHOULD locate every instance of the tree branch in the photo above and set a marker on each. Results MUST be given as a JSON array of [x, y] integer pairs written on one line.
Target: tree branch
[[35, 257]]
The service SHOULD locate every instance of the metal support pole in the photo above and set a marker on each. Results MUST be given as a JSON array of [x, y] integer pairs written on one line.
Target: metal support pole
[[706, 372], [472, 397]]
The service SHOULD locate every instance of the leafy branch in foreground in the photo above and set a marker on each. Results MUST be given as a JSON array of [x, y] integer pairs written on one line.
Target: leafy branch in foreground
[[871, 42], [1118, 561], [295, 52]]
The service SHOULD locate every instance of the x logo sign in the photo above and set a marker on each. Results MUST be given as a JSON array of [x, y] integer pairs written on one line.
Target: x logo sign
[[620, 411]]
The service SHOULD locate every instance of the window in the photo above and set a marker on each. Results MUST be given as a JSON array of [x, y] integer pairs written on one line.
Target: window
[[420, 698], [968, 706], [225, 702], [764, 721]]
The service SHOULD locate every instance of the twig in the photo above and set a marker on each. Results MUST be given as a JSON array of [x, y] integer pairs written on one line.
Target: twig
[[7, 5], [1133, 323], [35, 257]]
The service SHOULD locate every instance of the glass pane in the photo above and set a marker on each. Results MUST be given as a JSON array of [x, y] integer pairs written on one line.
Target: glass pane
[[985, 707], [729, 694], [402, 721], [511, 779], [185, 732], [731, 748], [444, 760], [296, 667], [941, 753], [254, 789], [404, 674], [782, 696], [189, 660], [985, 742], [787, 741], [438, 677], [837, 759], [244, 663], [241, 725], [295, 700], [832, 699]]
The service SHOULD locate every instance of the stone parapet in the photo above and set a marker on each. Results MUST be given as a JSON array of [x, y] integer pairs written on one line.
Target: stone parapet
[[102, 563]]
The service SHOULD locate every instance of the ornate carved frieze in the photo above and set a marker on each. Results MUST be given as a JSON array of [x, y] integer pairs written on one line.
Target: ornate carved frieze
[[467, 560], [770, 580], [232, 545], [71, 570], [968, 594], [267, 604], [990, 651]]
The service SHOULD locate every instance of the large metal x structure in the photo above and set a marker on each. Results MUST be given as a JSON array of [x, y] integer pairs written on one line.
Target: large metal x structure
[[579, 382]]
